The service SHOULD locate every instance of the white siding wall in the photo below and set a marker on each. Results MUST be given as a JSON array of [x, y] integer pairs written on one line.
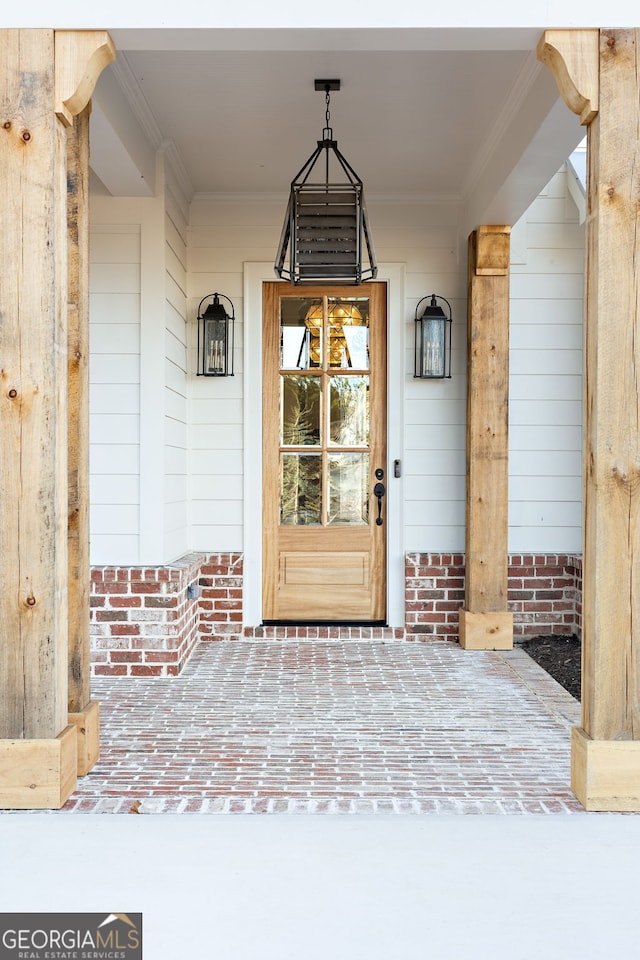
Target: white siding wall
[[115, 392], [423, 237], [176, 492], [139, 485], [222, 235], [183, 443], [545, 429]]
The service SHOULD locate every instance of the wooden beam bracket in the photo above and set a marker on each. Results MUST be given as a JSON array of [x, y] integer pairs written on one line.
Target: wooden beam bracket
[[573, 58], [80, 58], [492, 251]]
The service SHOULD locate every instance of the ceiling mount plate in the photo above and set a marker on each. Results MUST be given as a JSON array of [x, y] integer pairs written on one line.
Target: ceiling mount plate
[[323, 84]]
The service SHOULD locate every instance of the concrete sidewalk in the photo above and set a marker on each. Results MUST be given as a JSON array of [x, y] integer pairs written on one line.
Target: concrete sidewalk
[[234, 887]]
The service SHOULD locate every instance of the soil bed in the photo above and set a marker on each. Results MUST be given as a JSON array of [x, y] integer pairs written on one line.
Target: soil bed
[[560, 656]]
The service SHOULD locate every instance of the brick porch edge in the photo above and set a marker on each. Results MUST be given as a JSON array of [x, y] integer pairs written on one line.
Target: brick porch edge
[[144, 623]]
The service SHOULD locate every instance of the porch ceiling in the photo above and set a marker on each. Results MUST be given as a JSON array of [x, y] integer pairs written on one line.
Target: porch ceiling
[[450, 116]]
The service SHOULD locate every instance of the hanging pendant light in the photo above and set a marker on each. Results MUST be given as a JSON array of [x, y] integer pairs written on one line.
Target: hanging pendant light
[[326, 231]]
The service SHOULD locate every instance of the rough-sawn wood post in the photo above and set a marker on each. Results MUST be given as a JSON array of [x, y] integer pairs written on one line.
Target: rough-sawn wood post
[[598, 76], [46, 79], [485, 623]]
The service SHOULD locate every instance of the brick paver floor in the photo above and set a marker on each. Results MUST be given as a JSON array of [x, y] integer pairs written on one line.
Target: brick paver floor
[[334, 726]]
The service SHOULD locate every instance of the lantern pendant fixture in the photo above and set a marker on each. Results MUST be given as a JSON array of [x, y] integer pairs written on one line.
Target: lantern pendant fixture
[[326, 231]]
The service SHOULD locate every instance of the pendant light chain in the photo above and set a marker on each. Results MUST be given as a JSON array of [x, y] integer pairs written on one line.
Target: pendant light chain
[[327, 133]]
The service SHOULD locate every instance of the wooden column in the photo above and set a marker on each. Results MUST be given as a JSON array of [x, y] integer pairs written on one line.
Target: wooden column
[[597, 74], [485, 623], [41, 76], [84, 712]]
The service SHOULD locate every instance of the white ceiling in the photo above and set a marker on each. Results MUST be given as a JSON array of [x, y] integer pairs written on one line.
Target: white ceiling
[[242, 115], [409, 122]]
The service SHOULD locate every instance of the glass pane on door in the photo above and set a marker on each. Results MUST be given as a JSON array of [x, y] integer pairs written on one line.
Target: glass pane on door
[[300, 407], [324, 404], [348, 333], [300, 485], [349, 488], [349, 411], [300, 333]]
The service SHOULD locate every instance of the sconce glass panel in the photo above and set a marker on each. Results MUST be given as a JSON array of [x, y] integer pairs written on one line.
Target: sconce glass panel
[[215, 338]]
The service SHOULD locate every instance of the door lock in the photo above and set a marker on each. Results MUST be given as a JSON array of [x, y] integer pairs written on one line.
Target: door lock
[[378, 491]]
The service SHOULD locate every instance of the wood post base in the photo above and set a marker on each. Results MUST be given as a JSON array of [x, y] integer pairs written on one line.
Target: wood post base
[[38, 774], [605, 774], [486, 631], [87, 724]]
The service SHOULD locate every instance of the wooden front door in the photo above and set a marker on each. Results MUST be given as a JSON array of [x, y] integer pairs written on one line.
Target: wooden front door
[[324, 454]]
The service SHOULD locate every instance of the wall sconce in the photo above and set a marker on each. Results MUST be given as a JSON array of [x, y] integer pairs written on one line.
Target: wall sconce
[[433, 340], [215, 338]]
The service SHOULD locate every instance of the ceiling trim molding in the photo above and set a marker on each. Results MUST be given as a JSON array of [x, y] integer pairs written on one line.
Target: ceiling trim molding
[[527, 76], [136, 99]]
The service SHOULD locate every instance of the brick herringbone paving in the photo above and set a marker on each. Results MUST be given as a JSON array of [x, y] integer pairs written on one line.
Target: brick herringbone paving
[[333, 726]]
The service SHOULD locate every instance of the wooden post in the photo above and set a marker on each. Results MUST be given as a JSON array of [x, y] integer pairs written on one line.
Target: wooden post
[[606, 749], [38, 747], [485, 623], [84, 713]]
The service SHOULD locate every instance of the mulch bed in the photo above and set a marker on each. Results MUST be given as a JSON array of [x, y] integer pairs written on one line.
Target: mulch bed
[[560, 656]]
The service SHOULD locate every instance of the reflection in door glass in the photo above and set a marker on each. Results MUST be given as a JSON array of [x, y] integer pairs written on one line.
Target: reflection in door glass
[[300, 488], [349, 424], [300, 333], [300, 410], [348, 332], [349, 488]]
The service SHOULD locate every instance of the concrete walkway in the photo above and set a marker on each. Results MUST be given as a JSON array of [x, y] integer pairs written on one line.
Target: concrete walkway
[[377, 887]]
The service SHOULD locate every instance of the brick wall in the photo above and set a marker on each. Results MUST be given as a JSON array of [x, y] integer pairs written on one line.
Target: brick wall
[[434, 594], [221, 603], [544, 594], [143, 623]]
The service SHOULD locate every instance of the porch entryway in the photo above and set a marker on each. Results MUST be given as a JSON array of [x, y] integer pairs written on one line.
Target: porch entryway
[[335, 725]]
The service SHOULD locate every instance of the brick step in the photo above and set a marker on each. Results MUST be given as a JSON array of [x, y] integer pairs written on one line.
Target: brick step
[[293, 632]]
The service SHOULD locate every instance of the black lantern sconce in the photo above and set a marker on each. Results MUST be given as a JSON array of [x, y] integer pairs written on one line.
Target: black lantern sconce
[[215, 337], [433, 340], [326, 237]]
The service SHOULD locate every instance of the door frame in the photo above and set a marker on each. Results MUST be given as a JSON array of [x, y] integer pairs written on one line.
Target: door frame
[[398, 367]]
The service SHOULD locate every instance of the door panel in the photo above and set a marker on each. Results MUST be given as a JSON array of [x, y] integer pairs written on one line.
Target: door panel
[[324, 438]]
